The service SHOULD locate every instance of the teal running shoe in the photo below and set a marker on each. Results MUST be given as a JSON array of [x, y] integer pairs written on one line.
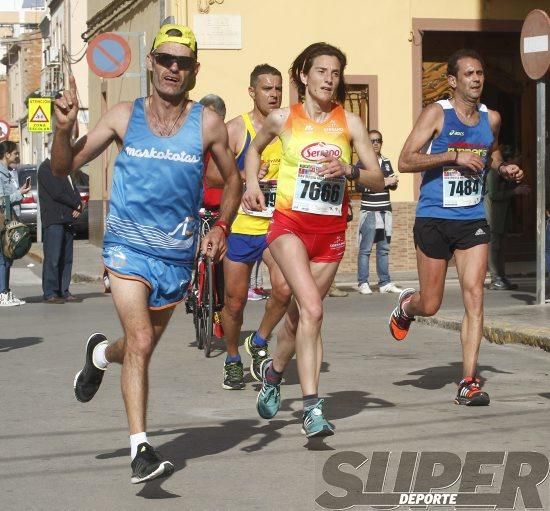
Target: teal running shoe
[[314, 424], [269, 397]]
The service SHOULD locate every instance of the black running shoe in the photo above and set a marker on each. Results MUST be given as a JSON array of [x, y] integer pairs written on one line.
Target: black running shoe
[[258, 355], [470, 393], [87, 381], [233, 376], [147, 465]]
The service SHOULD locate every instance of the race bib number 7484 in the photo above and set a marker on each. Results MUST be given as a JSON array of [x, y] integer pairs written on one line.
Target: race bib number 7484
[[460, 188]]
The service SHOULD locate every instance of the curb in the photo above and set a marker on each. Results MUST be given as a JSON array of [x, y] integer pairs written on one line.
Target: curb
[[505, 333]]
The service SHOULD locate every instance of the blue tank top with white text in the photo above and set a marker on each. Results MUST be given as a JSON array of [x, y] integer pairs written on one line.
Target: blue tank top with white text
[[451, 192], [157, 189]]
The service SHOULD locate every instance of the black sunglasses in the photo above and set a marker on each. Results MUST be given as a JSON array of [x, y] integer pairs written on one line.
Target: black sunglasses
[[376, 140], [167, 60]]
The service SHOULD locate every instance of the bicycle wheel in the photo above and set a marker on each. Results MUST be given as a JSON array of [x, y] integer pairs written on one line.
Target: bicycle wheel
[[194, 301], [200, 280], [208, 307], [191, 307]]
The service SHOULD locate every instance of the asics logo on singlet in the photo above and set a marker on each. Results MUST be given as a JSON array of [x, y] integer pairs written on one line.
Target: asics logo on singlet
[[456, 133], [153, 153], [319, 150]]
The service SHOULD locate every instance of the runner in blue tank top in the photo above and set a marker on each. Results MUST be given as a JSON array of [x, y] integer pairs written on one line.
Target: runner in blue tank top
[[462, 135], [151, 230]]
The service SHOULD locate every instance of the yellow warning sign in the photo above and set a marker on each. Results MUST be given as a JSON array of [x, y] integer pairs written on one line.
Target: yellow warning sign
[[40, 114]]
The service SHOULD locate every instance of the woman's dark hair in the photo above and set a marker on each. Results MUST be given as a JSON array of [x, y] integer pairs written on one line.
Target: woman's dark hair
[[7, 147], [303, 62]]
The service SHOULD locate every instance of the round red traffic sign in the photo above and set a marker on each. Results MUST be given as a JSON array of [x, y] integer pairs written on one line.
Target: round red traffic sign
[[108, 55], [535, 44], [4, 130]]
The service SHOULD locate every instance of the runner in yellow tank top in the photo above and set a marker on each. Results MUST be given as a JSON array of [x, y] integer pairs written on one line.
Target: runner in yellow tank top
[[250, 222], [301, 227], [247, 242]]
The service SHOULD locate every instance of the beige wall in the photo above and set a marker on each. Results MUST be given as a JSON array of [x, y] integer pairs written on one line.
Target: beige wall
[[376, 36]]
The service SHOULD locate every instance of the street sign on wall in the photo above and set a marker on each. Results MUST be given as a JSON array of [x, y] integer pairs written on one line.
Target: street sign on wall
[[535, 44], [40, 118], [4, 130], [108, 55]]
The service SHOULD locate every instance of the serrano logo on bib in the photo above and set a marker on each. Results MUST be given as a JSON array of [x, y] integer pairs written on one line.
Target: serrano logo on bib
[[320, 150]]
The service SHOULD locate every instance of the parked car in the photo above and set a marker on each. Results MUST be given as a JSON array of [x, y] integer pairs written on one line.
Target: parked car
[[29, 204]]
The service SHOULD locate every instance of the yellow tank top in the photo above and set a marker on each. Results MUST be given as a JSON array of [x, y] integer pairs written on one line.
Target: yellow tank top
[[245, 223]]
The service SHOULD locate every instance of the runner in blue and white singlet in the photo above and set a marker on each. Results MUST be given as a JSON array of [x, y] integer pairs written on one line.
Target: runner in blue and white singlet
[[462, 135], [151, 229], [161, 220], [450, 191]]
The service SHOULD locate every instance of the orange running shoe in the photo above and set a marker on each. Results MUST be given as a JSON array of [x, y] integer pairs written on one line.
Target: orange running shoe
[[470, 393], [399, 321]]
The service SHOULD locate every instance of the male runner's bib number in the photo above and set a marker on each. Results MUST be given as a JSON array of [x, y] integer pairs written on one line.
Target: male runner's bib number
[[269, 189], [460, 189], [318, 195]]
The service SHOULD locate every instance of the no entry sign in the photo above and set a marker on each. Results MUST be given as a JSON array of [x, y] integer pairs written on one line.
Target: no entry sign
[[535, 44], [108, 55], [4, 130]]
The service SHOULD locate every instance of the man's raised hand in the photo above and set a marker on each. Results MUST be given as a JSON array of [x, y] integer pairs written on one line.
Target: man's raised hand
[[66, 107]]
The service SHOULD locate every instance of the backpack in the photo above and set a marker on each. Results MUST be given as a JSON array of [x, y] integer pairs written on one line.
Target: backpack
[[15, 236]]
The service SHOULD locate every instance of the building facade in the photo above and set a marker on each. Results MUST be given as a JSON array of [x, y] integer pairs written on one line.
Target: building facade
[[396, 52]]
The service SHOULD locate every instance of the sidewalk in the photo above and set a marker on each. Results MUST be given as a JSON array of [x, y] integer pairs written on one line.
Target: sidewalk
[[87, 260], [510, 316]]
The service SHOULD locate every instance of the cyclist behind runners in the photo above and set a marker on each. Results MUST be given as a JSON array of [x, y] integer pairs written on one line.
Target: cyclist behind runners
[[151, 229], [450, 218], [307, 235], [213, 184], [247, 242]]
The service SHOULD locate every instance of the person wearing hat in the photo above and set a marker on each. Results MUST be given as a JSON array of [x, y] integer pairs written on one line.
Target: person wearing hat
[[151, 229]]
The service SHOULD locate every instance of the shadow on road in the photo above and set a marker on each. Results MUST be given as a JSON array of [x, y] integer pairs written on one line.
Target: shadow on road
[[197, 442], [528, 299], [82, 296], [21, 342], [435, 378], [193, 443], [290, 376]]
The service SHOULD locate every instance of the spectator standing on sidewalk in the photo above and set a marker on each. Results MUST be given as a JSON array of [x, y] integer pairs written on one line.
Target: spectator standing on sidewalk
[[9, 155], [60, 206], [498, 202], [375, 225]]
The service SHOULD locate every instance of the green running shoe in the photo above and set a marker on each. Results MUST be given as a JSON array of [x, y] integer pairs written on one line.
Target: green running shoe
[[233, 376], [314, 424], [269, 397], [258, 355]]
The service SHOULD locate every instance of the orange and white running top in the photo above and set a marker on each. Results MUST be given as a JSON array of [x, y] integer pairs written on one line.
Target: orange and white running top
[[305, 200]]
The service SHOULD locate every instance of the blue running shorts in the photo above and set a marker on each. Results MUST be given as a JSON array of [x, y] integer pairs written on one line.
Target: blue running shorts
[[167, 283], [245, 248]]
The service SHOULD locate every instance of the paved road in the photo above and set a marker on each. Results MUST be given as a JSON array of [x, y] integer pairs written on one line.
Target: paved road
[[58, 454]]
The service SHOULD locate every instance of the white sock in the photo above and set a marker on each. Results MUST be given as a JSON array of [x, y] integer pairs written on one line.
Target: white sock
[[98, 355], [135, 440]]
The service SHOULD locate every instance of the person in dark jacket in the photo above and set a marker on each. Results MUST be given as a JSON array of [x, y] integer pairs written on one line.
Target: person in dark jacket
[[60, 206]]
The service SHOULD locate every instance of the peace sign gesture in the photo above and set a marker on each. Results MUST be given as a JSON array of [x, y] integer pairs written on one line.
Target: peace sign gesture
[[66, 107]]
